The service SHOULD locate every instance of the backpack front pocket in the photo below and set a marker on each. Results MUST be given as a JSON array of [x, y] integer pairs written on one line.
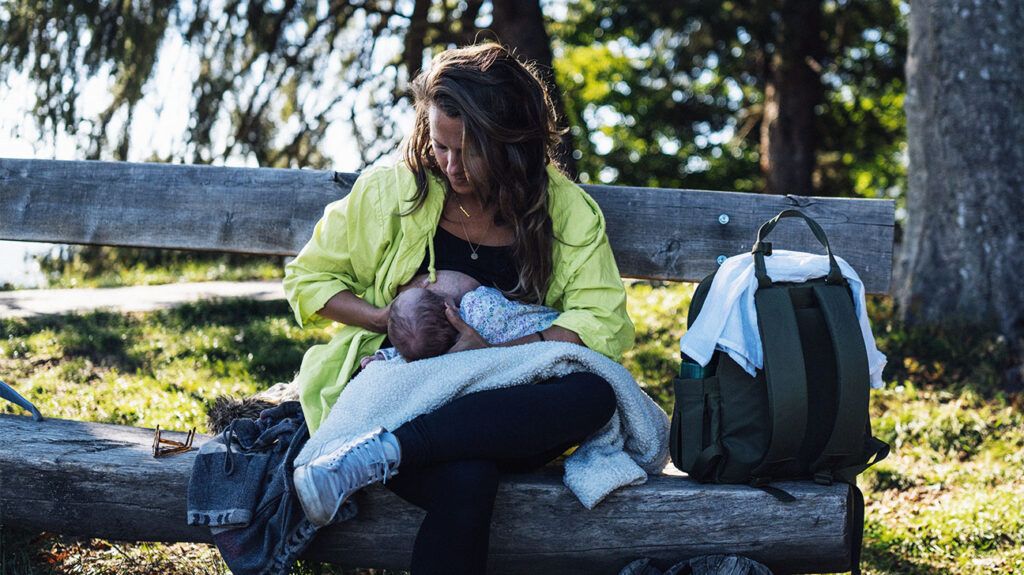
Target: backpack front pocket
[[695, 444]]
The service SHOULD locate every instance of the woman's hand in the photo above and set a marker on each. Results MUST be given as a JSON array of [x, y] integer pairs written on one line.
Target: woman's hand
[[381, 319], [469, 338]]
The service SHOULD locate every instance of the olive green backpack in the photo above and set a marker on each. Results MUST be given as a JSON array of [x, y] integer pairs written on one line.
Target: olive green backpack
[[805, 414]]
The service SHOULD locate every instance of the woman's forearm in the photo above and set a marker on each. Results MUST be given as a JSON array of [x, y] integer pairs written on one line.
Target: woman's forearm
[[347, 308]]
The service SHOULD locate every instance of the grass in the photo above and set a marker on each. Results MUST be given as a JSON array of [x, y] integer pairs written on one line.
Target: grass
[[946, 500], [149, 369]]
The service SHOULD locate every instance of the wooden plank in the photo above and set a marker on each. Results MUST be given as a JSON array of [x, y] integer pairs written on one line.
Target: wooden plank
[[677, 235], [99, 480], [243, 210], [656, 233]]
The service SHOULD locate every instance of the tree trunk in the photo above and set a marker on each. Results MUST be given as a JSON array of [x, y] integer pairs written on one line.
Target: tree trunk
[[963, 249], [416, 38], [793, 89], [520, 26]]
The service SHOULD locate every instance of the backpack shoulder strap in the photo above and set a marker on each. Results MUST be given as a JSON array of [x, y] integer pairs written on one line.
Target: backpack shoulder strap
[[698, 298], [847, 438], [785, 377]]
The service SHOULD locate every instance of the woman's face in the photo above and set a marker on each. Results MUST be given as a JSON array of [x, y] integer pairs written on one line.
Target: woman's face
[[446, 139]]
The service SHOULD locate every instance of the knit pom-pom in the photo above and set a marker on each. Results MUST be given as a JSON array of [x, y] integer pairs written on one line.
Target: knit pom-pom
[[226, 409]]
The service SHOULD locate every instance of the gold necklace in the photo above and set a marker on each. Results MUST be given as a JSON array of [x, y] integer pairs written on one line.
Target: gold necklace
[[472, 250]]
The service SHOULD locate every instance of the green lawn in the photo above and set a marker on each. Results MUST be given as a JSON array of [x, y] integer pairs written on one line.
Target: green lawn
[[947, 500], [105, 266]]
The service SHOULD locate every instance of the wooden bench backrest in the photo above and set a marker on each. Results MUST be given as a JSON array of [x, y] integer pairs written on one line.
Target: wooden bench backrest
[[656, 233]]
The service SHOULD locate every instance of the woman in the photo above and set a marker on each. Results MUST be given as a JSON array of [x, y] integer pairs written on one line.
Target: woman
[[475, 193]]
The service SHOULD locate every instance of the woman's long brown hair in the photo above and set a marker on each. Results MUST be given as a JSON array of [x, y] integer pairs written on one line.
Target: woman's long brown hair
[[509, 139]]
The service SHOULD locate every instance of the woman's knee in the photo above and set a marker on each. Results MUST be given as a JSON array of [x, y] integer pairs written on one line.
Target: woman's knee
[[597, 394]]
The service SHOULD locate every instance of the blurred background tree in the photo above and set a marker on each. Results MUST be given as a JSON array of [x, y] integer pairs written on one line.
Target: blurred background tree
[[800, 97], [268, 77], [962, 255]]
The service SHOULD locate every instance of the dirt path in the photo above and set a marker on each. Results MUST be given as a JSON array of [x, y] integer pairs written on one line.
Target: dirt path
[[31, 303]]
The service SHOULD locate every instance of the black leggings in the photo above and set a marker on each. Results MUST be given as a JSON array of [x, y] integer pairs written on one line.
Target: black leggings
[[452, 457]]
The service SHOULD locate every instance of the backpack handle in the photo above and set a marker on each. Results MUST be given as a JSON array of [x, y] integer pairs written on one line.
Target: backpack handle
[[762, 248], [7, 392]]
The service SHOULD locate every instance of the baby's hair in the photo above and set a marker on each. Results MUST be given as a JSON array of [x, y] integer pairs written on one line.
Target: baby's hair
[[420, 329]]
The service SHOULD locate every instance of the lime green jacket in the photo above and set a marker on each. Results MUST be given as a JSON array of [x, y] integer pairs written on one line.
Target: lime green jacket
[[362, 245]]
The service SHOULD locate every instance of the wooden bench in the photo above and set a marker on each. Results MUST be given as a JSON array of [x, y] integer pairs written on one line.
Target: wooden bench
[[100, 480]]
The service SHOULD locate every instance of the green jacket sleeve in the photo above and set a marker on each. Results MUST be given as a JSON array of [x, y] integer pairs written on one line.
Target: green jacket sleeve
[[343, 253], [594, 305], [585, 282]]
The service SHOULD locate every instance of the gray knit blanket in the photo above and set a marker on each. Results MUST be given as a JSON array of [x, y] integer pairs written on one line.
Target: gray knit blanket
[[632, 444]]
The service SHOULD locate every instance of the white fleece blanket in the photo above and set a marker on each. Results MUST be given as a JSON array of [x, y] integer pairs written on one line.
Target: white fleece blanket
[[388, 393]]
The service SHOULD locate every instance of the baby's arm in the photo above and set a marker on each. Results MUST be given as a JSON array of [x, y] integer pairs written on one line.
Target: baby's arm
[[500, 320]]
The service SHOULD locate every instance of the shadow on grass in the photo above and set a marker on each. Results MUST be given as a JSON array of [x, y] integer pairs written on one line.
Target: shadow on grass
[[953, 355], [268, 355], [229, 312], [97, 336], [22, 554]]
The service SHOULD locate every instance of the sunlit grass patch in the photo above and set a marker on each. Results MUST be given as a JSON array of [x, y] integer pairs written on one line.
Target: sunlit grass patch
[[23, 553], [948, 499], [949, 426], [950, 528], [658, 312], [104, 266]]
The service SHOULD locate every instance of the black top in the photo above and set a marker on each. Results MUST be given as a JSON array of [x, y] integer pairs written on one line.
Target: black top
[[493, 267]]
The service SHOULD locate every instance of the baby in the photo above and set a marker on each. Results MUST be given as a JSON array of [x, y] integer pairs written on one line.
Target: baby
[[418, 328]]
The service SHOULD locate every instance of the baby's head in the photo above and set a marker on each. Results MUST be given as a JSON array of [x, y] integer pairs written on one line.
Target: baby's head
[[447, 283], [417, 325], [453, 284]]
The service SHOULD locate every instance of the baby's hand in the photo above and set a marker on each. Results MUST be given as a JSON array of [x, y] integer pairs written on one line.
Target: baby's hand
[[367, 360]]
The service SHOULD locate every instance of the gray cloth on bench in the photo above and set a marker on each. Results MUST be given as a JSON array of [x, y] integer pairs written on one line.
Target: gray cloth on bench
[[703, 565], [632, 444], [241, 487]]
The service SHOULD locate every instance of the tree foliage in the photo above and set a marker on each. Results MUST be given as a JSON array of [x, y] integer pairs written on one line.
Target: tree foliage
[[268, 78], [673, 93]]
